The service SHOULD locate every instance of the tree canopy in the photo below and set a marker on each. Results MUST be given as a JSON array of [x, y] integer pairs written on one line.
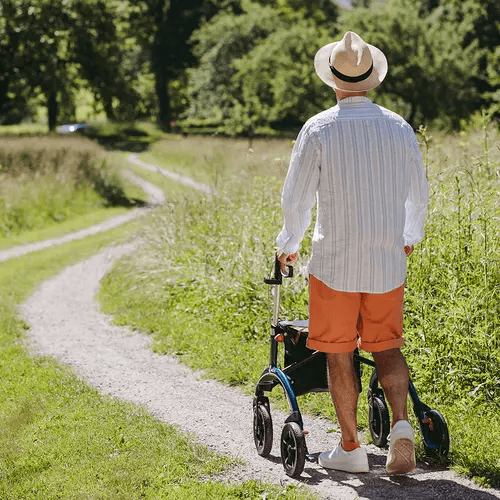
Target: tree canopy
[[242, 65]]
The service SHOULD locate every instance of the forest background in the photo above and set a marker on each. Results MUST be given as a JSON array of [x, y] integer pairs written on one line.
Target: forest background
[[239, 67]]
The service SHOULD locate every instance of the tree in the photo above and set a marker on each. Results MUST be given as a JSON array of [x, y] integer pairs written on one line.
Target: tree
[[276, 80], [430, 68], [99, 48], [256, 67], [163, 28], [46, 47]]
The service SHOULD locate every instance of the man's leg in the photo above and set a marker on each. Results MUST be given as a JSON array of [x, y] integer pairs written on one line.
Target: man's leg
[[348, 456], [343, 387], [393, 376]]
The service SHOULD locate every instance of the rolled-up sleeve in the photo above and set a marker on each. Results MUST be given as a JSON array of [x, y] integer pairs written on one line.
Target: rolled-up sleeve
[[299, 191], [418, 197]]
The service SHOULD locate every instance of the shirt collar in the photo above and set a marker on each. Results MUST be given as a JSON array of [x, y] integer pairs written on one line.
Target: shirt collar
[[356, 99]]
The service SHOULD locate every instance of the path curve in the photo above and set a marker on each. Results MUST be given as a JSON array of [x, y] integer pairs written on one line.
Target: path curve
[[155, 197], [66, 323], [187, 181]]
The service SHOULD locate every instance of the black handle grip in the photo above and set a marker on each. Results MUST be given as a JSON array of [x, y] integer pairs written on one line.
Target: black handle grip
[[278, 276]]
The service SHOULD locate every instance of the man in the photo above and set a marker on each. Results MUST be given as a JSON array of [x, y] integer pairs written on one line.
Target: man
[[361, 164]]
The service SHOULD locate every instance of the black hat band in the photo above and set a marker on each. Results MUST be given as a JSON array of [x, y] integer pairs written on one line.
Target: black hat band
[[351, 79]]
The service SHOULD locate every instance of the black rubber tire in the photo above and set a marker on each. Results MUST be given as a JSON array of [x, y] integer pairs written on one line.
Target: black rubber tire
[[262, 430], [439, 436], [379, 421], [293, 449]]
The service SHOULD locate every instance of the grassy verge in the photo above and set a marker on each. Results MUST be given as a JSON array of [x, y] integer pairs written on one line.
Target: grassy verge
[[134, 193], [214, 161], [45, 181], [198, 286], [62, 439], [173, 190]]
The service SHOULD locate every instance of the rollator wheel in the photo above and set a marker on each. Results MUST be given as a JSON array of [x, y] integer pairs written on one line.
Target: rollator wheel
[[262, 430], [437, 443], [293, 449], [379, 422]]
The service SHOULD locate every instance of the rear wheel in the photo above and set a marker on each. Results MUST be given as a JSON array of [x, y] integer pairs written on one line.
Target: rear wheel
[[379, 421], [435, 438], [293, 449], [262, 430]]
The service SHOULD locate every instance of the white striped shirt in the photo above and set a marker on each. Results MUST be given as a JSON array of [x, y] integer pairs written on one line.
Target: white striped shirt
[[362, 165]]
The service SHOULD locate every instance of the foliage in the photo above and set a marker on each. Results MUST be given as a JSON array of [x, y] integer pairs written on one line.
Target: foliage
[[255, 68], [241, 65], [219, 43], [50, 48], [430, 72], [275, 80]]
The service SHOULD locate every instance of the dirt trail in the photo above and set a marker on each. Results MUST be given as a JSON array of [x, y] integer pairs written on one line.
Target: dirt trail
[[66, 323]]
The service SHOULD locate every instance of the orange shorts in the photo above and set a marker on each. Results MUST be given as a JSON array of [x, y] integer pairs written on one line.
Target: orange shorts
[[342, 321]]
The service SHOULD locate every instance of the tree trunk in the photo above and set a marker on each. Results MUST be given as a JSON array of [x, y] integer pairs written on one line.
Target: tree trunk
[[411, 117], [52, 111], [163, 96], [4, 87]]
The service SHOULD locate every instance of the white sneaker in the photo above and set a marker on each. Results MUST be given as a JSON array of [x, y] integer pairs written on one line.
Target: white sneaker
[[348, 461], [401, 456]]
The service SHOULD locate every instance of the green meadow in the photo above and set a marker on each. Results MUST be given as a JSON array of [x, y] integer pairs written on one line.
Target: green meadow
[[197, 285]]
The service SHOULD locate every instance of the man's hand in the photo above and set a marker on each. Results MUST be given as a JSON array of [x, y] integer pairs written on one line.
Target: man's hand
[[408, 250], [286, 259]]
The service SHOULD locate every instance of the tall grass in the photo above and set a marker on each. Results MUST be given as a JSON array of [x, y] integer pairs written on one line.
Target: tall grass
[[198, 286], [45, 180]]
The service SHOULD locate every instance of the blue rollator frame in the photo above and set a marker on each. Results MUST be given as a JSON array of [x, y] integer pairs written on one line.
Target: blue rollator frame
[[305, 371]]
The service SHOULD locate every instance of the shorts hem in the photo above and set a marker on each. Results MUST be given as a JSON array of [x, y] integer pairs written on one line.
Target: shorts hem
[[382, 346], [333, 347]]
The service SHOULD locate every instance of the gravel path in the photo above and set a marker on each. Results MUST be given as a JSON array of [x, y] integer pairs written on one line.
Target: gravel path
[[66, 323], [187, 181]]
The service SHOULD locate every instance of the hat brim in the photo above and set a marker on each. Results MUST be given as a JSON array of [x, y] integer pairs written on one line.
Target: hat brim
[[322, 67]]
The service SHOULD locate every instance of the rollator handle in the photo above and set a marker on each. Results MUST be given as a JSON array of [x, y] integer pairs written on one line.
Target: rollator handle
[[277, 279]]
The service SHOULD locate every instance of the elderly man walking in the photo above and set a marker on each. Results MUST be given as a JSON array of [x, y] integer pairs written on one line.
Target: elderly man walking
[[361, 164]]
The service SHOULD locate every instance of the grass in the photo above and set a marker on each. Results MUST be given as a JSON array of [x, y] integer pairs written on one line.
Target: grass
[[23, 129], [61, 229], [62, 439], [213, 160], [173, 190], [48, 180], [197, 287]]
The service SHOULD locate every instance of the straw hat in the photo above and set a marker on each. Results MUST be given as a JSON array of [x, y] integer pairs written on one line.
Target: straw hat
[[351, 64]]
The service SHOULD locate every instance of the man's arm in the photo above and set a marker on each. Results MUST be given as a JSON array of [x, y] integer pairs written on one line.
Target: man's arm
[[299, 193], [418, 198]]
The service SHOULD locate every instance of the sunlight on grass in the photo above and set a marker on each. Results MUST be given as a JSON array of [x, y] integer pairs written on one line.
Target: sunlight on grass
[[48, 180]]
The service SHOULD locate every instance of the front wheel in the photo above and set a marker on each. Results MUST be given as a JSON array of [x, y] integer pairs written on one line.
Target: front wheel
[[293, 449], [262, 430]]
